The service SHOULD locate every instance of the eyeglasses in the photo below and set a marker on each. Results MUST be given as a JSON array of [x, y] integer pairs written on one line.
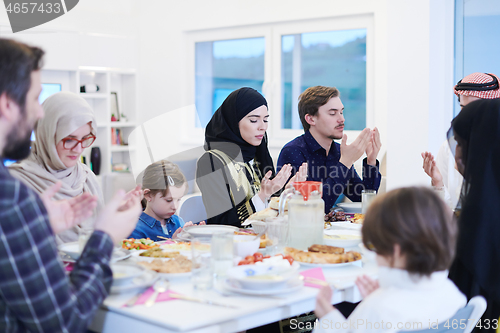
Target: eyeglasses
[[70, 143]]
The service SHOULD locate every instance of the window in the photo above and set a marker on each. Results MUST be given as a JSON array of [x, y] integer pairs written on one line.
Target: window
[[281, 60], [224, 66], [329, 58], [476, 44]]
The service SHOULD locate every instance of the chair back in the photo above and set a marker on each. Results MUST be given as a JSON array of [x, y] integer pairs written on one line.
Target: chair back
[[192, 208], [463, 321]]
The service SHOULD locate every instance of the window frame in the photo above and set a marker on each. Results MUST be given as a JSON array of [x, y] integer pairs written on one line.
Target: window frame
[[272, 86]]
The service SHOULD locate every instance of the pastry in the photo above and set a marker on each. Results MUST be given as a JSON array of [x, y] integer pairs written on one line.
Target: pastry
[[322, 258], [326, 249], [264, 214], [275, 204]]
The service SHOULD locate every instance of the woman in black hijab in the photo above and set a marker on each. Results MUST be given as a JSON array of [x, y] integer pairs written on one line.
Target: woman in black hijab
[[475, 140], [234, 175]]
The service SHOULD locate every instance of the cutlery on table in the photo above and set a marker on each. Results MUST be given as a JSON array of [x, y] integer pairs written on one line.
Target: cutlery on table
[[160, 286], [131, 302], [169, 239]]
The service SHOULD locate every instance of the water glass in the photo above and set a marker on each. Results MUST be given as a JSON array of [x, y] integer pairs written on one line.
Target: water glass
[[367, 197], [202, 273], [222, 253], [277, 234]]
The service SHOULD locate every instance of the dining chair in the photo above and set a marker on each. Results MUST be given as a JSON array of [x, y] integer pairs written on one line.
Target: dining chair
[[192, 208], [467, 316]]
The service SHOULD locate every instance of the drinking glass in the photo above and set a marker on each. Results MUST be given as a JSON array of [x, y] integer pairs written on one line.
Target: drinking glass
[[277, 234], [202, 273], [222, 253], [367, 197]]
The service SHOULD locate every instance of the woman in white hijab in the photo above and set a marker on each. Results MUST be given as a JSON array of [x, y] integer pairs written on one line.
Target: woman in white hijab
[[68, 127]]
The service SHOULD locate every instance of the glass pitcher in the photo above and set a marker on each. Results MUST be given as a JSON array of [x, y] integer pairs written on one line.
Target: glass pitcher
[[306, 212]]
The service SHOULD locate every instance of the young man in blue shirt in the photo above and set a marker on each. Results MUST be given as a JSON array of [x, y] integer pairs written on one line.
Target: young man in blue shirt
[[322, 115]]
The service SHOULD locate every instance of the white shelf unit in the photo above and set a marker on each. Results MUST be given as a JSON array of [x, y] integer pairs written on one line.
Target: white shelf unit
[[121, 81]]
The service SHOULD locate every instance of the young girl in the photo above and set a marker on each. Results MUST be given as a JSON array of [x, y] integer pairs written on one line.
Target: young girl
[[413, 234], [164, 186]]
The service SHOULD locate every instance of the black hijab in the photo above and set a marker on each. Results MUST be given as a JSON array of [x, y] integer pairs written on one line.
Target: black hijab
[[223, 133], [477, 130]]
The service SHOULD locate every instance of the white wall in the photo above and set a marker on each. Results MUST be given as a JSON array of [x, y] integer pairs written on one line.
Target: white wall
[[413, 47], [95, 33]]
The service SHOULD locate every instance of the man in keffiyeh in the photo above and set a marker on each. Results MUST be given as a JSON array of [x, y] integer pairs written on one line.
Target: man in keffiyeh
[[442, 170]]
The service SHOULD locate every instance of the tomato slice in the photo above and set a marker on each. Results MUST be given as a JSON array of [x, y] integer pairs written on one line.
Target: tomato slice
[[289, 258], [250, 258], [258, 256]]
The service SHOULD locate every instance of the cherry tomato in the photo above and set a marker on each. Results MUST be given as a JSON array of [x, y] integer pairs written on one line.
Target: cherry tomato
[[258, 256], [250, 258], [289, 258], [265, 257], [244, 262]]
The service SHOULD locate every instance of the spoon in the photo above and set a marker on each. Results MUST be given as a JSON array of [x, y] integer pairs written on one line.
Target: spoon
[[160, 286]]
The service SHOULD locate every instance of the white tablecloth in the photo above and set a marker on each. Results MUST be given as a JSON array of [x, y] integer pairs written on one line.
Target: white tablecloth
[[252, 311]]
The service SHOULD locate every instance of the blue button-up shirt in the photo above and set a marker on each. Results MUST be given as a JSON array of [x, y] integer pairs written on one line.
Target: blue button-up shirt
[[149, 227], [337, 178]]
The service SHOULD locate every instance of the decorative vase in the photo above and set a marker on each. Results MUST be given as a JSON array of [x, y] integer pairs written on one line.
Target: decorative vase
[[95, 160]]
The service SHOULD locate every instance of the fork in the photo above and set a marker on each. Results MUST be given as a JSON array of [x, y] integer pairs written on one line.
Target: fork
[[160, 286]]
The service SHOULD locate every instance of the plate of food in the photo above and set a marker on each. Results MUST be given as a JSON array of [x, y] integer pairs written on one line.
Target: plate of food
[[293, 284], [261, 277], [139, 244], [176, 246], [207, 230], [342, 238], [141, 282], [178, 267], [156, 253], [324, 256], [123, 273], [72, 249]]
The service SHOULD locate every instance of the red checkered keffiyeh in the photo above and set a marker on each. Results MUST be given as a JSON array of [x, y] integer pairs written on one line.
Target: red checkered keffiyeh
[[485, 92]]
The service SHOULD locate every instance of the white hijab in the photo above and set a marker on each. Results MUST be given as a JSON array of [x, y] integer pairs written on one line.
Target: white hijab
[[65, 112]]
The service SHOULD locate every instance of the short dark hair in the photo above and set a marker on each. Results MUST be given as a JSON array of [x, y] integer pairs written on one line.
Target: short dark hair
[[17, 61], [311, 99], [418, 221]]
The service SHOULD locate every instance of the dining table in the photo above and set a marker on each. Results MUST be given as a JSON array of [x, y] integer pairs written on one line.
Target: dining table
[[239, 312]]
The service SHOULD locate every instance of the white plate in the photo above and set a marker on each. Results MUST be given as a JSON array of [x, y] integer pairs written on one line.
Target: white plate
[[307, 264], [207, 230], [141, 282], [123, 273], [350, 207], [342, 233], [119, 254], [291, 286], [247, 276], [345, 225], [175, 275], [137, 255], [72, 249]]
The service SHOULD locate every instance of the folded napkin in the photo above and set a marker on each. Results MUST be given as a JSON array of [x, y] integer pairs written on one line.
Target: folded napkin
[[314, 273], [162, 297]]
